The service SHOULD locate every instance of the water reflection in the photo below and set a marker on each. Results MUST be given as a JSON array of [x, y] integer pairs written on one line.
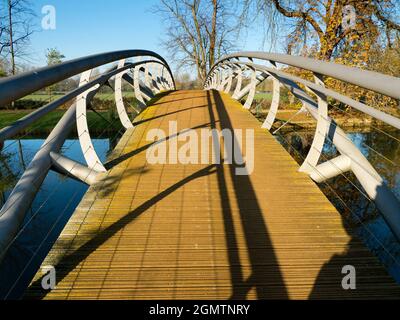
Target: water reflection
[[50, 211], [360, 214]]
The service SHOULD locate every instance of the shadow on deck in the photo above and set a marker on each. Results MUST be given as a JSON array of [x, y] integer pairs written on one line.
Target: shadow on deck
[[200, 231]]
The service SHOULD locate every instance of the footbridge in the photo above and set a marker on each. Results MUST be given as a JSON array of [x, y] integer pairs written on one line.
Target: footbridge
[[198, 200]]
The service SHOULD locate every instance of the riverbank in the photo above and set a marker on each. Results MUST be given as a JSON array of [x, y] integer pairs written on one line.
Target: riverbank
[[102, 101], [97, 121], [304, 120]]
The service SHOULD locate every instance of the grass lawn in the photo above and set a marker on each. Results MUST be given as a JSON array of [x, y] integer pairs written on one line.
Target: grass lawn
[[46, 97], [129, 94], [48, 122], [261, 96]]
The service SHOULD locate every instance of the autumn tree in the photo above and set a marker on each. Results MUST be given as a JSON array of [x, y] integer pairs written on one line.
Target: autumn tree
[[326, 28], [352, 32], [197, 32]]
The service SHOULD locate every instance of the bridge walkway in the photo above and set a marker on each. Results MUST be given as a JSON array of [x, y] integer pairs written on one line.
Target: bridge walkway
[[200, 231]]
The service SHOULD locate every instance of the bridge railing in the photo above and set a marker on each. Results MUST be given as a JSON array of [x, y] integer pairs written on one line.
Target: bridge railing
[[148, 75], [235, 67]]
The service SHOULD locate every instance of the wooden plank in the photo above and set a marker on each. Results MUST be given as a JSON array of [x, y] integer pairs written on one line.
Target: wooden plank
[[199, 231]]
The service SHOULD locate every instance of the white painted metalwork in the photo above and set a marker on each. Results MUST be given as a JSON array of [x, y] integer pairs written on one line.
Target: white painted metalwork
[[73, 169], [252, 89], [273, 109], [239, 79], [350, 158], [91, 157], [13, 212], [119, 101], [317, 145], [136, 87]]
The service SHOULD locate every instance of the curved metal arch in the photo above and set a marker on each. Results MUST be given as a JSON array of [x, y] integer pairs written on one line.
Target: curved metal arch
[[154, 79], [371, 80], [13, 212], [317, 89], [222, 79], [122, 65], [252, 89], [170, 84], [350, 157], [273, 109], [91, 157], [122, 114], [160, 81], [163, 79], [228, 84], [311, 160], [225, 80], [147, 76], [252, 85], [239, 80], [234, 75], [15, 87], [145, 89], [136, 87], [150, 80]]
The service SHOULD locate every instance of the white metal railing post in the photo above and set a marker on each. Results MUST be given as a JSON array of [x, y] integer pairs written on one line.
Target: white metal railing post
[[14, 210], [136, 87], [350, 157], [85, 140], [317, 145], [273, 109], [252, 90], [122, 114]]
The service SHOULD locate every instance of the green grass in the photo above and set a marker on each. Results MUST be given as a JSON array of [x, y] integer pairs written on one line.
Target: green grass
[[48, 122], [262, 96], [46, 97]]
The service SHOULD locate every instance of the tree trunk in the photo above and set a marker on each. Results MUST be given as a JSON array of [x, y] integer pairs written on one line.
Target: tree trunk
[[11, 43], [325, 52], [213, 35], [10, 25]]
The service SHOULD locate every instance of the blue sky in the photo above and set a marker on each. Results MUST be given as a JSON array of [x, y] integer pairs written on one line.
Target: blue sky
[[92, 26]]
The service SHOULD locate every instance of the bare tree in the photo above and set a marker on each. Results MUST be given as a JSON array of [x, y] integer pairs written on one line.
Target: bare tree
[[3, 73], [16, 27], [199, 31]]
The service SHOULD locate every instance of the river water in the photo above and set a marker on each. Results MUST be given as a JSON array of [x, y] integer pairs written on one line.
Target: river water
[[50, 211], [59, 196], [360, 215]]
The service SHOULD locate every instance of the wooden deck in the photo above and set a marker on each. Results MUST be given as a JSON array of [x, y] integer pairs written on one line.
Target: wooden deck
[[199, 231]]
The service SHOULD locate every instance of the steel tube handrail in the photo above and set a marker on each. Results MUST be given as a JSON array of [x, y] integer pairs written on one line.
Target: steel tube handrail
[[370, 80], [13, 212], [351, 158], [377, 114], [24, 122], [15, 87]]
